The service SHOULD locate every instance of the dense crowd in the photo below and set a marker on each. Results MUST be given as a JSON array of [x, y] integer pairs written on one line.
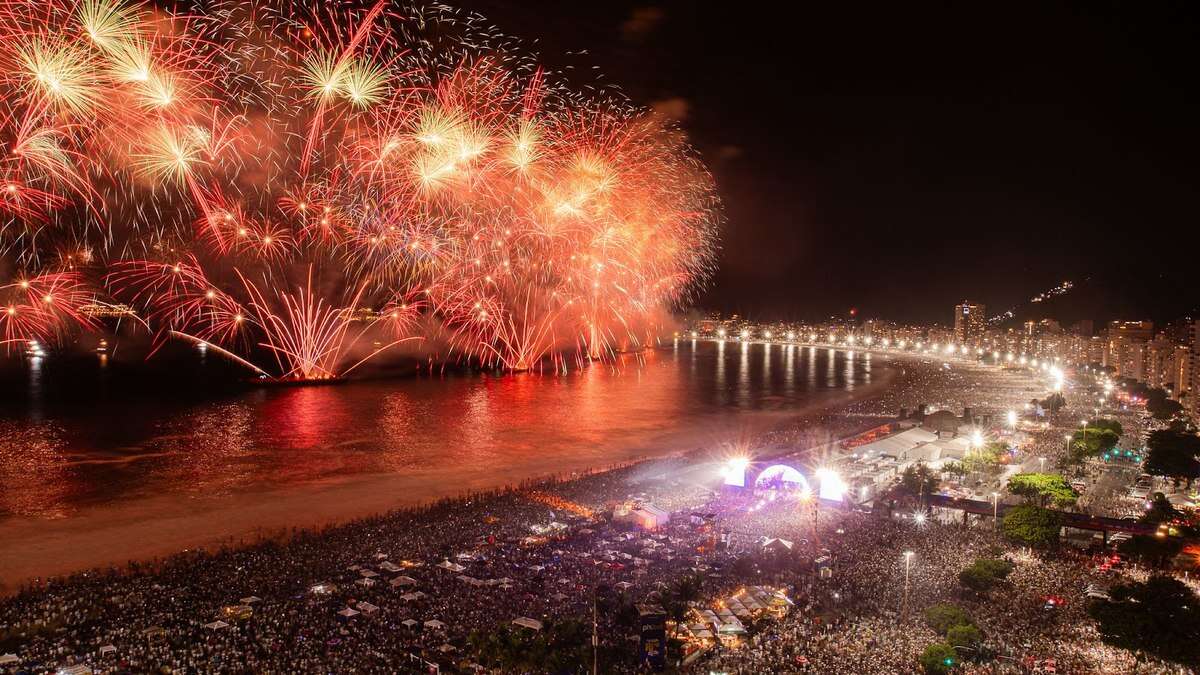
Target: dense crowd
[[857, 620]]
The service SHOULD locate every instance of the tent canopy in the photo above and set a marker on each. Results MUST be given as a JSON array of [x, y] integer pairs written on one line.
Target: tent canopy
[[526, 622]]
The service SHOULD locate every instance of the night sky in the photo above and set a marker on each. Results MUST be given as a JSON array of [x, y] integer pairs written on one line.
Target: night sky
[[902, 156]]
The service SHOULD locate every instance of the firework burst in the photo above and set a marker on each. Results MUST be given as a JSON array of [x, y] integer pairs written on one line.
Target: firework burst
[[294, 179]]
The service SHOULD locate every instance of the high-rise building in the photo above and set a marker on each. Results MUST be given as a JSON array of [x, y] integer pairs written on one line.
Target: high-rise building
[[969, 321], [1194, 396], [1160, 363], [1125, 348], [1140, 331], [1181, 379]]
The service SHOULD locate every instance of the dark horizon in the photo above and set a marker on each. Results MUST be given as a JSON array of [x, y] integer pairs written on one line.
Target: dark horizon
[[900, 159]]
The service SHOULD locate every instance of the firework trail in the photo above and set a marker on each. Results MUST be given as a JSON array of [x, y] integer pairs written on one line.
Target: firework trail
[[287, 180]]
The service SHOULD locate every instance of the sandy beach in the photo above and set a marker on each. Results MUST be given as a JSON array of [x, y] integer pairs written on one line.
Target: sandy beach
[[153, 526]]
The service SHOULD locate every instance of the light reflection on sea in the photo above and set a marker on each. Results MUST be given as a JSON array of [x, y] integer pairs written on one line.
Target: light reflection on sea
[[56, 462]]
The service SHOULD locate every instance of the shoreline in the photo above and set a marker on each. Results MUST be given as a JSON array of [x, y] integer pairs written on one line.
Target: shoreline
[[117, 535]]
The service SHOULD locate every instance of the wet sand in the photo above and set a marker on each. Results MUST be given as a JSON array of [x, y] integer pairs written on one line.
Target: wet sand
[[149, 527]]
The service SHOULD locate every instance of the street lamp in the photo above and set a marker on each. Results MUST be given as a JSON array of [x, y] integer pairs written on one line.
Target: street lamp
[[995, 508], [1042, 460], [1012, 419], [907, 567]]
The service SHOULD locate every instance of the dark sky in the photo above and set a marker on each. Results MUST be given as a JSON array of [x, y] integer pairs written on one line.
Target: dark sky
[[898, 157]]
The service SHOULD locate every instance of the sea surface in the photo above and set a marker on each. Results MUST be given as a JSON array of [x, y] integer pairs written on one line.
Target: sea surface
[[97, 465]]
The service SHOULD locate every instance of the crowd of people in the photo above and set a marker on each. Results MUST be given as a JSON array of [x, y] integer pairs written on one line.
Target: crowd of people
[[402, 591]]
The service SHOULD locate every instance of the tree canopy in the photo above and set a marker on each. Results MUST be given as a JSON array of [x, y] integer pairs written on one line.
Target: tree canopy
[[986, 459], [1174, 453], [1156, 551], [938, 658], [919, 479], [1054, 402], [1032, 525], [1158, 400], [981, 575], [1043, 488], [1160, 617], [955, 469], [944, 616], [967, 635], [1106, 424], [558, 647], [1096, 437]]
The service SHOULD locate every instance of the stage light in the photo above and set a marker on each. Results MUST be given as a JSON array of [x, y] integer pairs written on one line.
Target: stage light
[[735, 471], [832, 487]]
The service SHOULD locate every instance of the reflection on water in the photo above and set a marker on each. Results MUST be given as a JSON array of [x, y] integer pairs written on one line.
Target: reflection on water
[[62, 459]]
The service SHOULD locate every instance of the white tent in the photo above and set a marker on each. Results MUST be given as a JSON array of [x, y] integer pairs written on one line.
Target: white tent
[[370, 574], [409, 597], [624, 585], [389, 566], [777, 544], [446, 648], [9, 658], [108, 649], [365, 582], [322, 588], [404, 581], [453, 567], [526, 622], [409, 623], [75, 670], [435, 624], [348, 613], [251, 600], [216, 625], [367, 608]]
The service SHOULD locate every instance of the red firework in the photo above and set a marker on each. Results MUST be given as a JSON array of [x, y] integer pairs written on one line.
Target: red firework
[[43, 308]]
